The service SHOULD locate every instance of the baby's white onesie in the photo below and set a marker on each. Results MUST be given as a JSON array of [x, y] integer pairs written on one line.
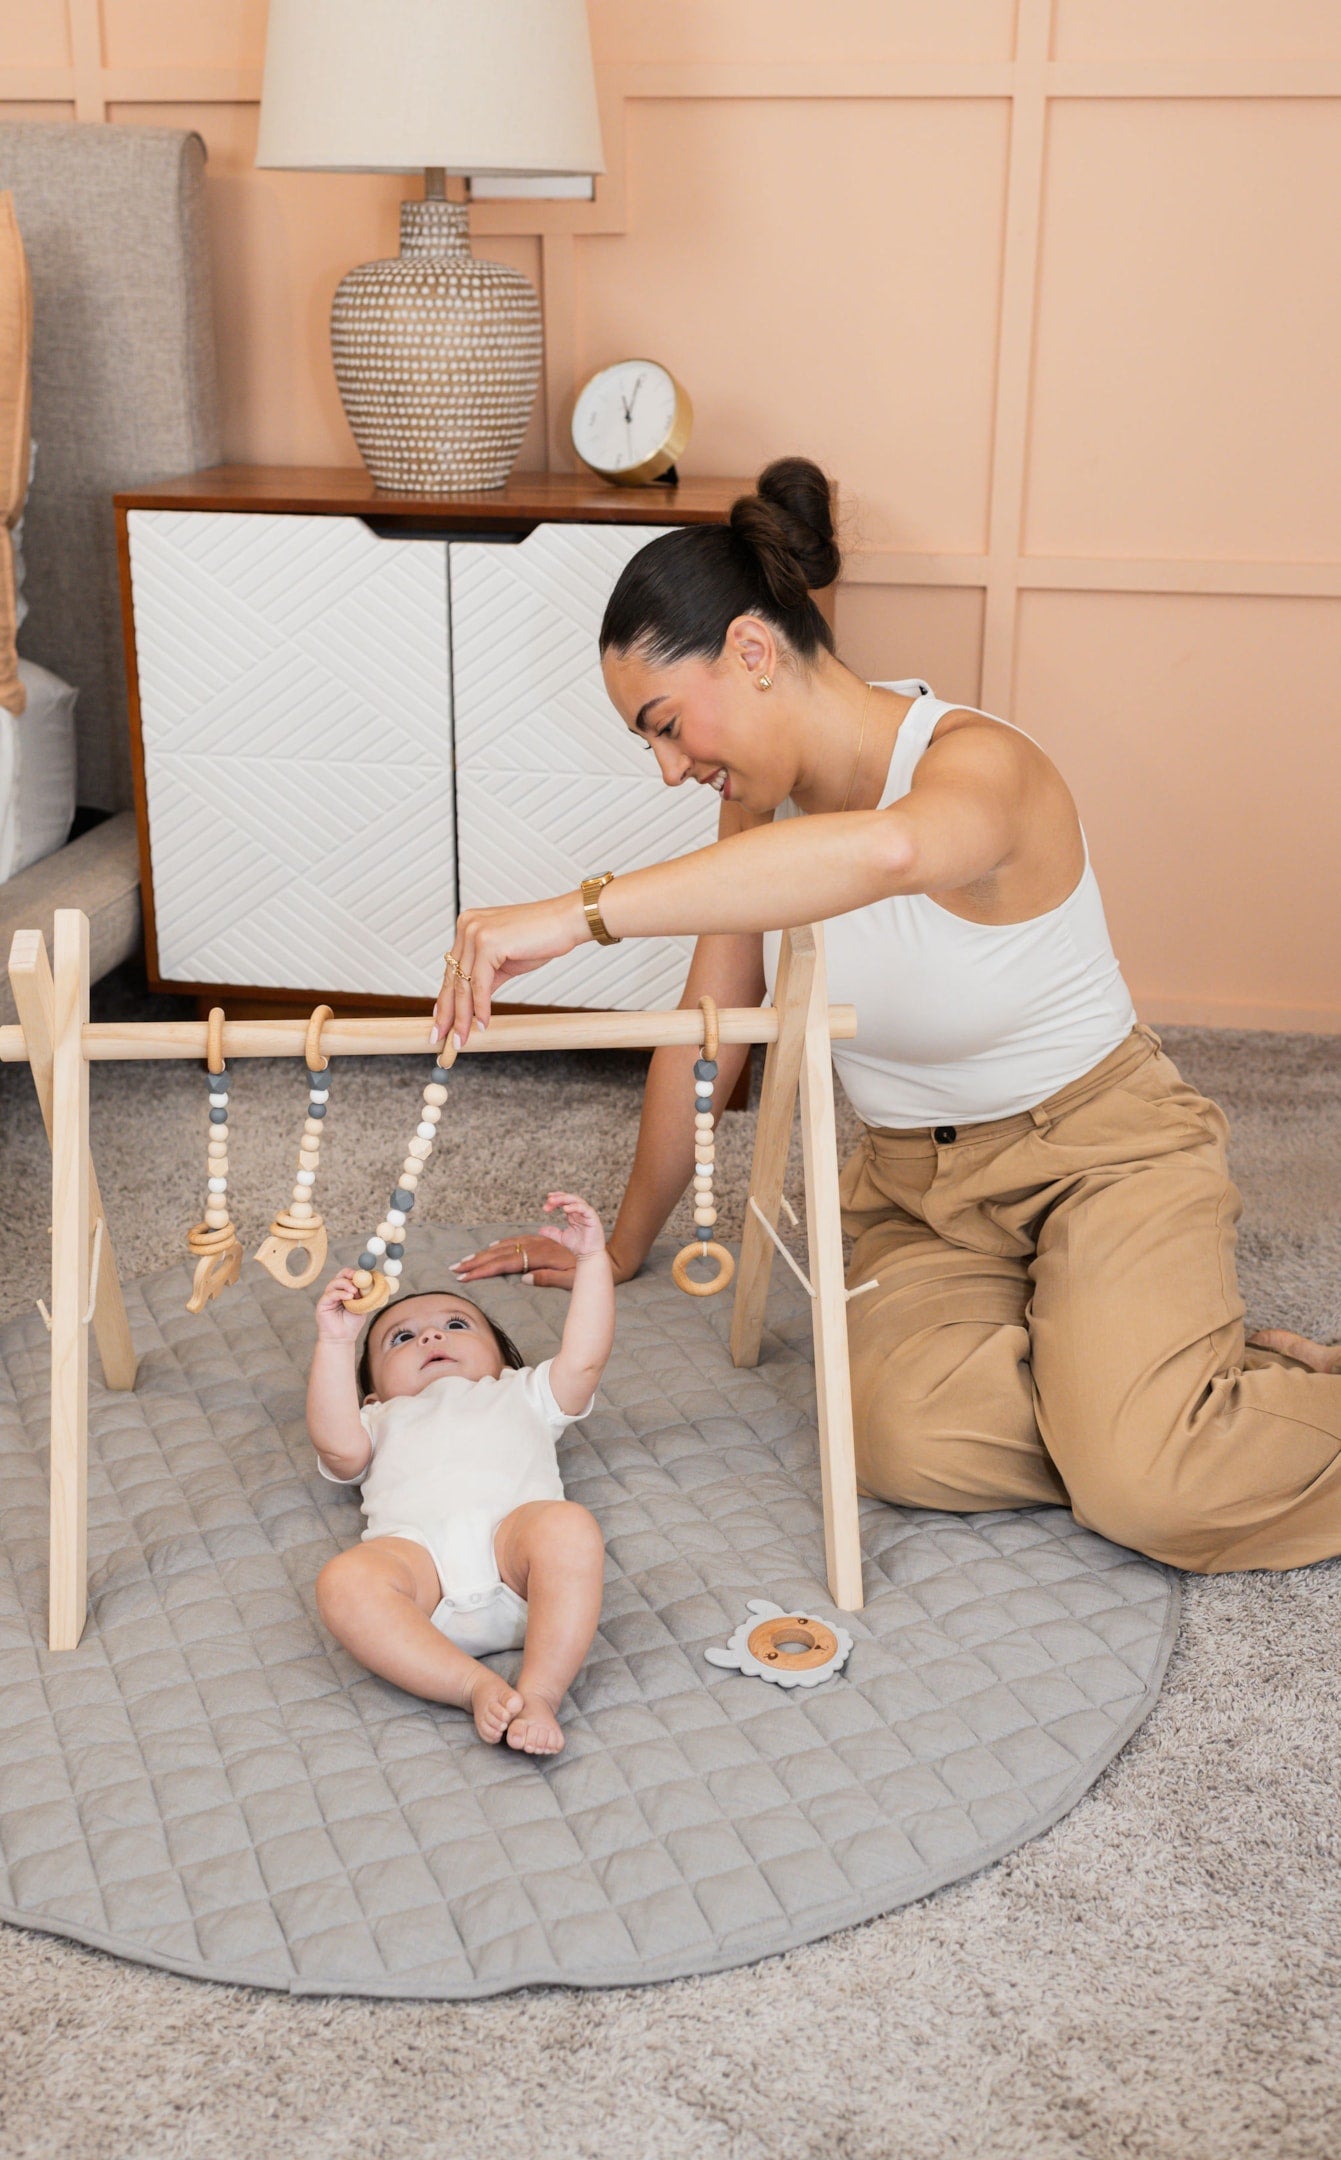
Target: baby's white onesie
[[447, 1465]]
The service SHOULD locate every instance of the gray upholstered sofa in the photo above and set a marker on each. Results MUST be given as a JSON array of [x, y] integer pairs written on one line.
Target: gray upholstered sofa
[[124, 391]]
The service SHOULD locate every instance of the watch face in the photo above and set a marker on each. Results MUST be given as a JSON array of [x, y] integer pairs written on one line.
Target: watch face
[[624, 415]]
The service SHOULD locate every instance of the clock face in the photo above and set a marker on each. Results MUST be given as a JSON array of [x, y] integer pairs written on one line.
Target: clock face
[[624, 415]]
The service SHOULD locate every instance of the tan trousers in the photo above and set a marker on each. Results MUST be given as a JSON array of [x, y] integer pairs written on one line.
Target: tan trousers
[[1058, 1320]]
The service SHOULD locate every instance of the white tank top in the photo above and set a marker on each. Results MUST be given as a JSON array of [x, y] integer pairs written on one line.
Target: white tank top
[[961, 1022]]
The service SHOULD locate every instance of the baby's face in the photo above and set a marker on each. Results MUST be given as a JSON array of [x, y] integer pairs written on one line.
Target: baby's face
[[428, 1338]]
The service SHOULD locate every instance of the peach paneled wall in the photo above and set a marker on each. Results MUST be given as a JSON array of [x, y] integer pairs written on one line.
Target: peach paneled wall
[[1050, 285]]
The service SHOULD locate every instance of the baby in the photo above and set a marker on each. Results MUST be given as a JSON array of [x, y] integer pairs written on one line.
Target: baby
[[470, 1546]]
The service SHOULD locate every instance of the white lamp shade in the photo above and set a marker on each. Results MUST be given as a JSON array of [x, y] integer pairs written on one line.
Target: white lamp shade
[[472, 86]]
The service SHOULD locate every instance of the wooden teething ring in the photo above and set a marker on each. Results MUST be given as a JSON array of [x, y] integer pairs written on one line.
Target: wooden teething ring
[[703, 1247], [771, 1642], [373, 1298], [312, 1056], [726, 1268]]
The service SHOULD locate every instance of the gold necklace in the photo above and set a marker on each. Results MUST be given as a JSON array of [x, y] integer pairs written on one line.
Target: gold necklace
[[861, 745]]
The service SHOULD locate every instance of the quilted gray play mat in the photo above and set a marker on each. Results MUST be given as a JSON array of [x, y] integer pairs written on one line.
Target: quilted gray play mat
[[208, 1784]]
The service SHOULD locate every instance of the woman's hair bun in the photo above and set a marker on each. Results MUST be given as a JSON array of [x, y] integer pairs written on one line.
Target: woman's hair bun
[[788, 525]]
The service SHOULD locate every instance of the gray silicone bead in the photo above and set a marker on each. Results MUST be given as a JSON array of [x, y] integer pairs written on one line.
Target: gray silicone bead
[[317, 1109], [395, 1252], [706, 1069], [366, 1260], [402, 1199], [218, 1117]]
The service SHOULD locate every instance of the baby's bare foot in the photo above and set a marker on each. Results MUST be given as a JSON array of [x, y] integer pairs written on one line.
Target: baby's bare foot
[[1319, 1357], [535, 1728], [493, 1703]]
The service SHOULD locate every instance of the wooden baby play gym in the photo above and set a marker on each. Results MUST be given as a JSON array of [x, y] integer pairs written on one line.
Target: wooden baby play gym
[[58, 1042]]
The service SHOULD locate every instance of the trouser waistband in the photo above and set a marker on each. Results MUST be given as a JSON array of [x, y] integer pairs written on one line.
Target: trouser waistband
[[1138, 1048]]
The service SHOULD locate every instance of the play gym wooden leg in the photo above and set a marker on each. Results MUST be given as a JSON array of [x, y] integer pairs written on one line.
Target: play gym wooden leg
[[69, 1286], [833, 1374], [30, 981], [782, 1073]]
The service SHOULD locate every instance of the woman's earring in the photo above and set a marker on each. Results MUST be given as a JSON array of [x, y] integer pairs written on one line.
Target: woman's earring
[[765, 682]]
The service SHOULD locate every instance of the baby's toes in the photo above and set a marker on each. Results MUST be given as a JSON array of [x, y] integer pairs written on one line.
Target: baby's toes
[[495, 1711]]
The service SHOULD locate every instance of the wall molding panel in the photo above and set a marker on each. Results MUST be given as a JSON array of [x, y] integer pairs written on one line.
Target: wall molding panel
[[696, 87]]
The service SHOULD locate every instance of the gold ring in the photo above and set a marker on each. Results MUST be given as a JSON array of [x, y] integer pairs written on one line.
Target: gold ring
[[520, 1251], [454, 964]]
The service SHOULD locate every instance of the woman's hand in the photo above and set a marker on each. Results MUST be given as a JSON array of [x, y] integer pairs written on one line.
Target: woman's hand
[[538, 1259], [491, 946]]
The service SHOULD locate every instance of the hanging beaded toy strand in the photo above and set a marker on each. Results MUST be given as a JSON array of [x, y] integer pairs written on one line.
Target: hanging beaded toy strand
[[299, 1227], [215, 1242], [376, 1276], [705, 1160]]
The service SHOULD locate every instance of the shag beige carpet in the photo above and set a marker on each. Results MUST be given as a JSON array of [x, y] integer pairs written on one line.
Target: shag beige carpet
[[1156, 1977]]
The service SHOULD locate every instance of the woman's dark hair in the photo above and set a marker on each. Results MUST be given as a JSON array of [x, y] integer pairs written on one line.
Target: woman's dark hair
[[677, 597], [511, 1354]]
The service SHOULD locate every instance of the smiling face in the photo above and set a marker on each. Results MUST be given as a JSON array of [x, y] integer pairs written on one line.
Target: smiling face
[[706, 721], [434, 1337]]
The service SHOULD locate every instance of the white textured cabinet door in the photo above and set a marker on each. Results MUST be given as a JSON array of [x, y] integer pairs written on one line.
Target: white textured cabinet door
[[550, 786], [296, 716]]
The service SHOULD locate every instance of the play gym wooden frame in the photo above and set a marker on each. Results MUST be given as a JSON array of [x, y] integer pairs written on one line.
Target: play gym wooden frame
[[56, 1039]]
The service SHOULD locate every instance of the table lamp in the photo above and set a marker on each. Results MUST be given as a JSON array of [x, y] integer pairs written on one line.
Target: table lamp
[[437, 354]]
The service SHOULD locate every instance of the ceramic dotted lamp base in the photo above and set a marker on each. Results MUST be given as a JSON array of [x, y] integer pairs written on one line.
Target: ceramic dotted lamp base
[[437, 357]]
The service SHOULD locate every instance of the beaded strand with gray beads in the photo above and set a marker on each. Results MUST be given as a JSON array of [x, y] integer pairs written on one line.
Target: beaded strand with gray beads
[[377, 1272]]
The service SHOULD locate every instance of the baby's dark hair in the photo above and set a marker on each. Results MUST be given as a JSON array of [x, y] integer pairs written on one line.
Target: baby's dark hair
[[678, 596], [511, 1354]]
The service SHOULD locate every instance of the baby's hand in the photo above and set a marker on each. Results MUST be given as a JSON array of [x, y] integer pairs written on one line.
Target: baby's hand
[[334, 1322], [582, 1232]]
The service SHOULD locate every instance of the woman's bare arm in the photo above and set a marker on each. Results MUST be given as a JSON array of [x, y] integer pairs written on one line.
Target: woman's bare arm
[[961, 823]]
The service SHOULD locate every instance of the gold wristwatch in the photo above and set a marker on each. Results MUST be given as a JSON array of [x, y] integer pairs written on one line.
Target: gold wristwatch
[[592, 888]]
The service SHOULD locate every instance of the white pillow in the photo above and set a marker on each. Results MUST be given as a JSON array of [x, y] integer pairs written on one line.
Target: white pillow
[[37, 771]]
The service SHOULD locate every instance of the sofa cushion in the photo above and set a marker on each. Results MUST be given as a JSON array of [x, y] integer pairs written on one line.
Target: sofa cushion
[[16, 340], [100, 873]]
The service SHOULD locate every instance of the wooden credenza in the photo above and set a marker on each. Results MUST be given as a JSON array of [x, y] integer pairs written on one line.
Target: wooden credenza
[[353, 714]]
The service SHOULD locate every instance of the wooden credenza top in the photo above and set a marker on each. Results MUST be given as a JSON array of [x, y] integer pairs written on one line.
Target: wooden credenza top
[[527, 500]]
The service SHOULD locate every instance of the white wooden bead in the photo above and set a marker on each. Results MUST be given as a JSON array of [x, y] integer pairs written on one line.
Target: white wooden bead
[[703, 1090], [362, 1279], [435, 1092], [300, 1197], [704, 1120], [216, 1218], [422, 1148], [301, 1210], [318, 1094], [218, 1102], [411, 1167], [396, 1217], [313, 1127], [306, 1177], [703, 1181], [431, 1115], [375, 1244], [216, 1184], [410, 1178], [705, 1217], [386, 1233], [423, 1130], [218, 1133], [392, 1268]]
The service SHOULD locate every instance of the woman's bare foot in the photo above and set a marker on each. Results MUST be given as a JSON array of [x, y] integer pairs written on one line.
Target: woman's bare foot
[[535, 1728], [493, 1703], [1319, 1357]]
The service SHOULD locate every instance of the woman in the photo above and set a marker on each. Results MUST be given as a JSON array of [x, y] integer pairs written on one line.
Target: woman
[[1044, 1200]]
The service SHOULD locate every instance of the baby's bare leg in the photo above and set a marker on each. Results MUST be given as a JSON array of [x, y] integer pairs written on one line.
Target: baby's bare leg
[[376, 1599], [552, 1554]]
